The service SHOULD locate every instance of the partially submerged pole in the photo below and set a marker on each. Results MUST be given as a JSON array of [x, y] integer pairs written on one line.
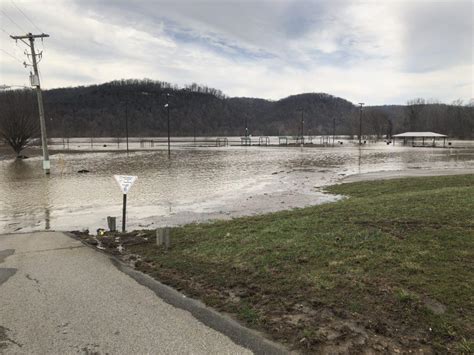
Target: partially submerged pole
[[360, 123]]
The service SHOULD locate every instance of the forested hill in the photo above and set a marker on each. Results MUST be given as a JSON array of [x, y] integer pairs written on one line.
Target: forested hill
[[100, 110]]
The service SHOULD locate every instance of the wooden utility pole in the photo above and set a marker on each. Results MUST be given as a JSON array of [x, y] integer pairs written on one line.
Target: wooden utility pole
[[35, 81]]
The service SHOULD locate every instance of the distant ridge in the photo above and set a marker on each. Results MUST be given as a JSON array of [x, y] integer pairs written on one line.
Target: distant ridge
[[99, 110]]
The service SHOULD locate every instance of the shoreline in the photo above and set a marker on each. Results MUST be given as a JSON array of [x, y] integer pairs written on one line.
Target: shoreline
[[250, 206], [406, 173]]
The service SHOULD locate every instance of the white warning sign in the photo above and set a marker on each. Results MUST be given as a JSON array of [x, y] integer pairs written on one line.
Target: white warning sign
[[125, 182]]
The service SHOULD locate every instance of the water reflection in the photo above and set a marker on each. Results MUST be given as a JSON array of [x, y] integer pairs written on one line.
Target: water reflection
[[359, 160], [47, 225], [196, 184], [18, 169]]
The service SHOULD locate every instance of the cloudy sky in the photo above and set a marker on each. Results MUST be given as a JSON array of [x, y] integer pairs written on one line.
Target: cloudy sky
[[378, 52]]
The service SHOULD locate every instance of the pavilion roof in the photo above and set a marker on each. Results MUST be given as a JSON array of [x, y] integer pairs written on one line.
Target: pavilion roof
[[420, 135]]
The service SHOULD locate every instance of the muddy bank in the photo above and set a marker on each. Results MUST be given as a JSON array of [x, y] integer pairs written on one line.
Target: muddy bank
[[396, 174]]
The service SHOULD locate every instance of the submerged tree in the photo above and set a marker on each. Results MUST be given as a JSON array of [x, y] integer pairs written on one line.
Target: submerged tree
[[18, 119]]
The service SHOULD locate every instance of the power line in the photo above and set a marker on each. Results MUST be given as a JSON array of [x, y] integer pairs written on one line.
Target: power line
[[8, 34], [39, 73], [11, 55], [17, 25], [5, 32], [30, 21], [16, 41]]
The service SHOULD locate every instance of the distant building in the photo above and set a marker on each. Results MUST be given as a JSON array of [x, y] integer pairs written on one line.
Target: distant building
[[418, 139]]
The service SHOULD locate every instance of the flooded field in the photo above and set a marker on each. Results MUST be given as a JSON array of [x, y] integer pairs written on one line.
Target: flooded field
[[196, 184]]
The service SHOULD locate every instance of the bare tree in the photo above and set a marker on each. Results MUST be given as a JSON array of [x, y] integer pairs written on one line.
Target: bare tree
[[18, 119], [376, 122], [413, 113]]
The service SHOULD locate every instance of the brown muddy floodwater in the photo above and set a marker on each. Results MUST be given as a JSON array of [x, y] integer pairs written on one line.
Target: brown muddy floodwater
[[196, 184]]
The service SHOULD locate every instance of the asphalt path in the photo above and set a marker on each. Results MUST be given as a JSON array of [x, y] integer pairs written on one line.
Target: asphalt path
[[58, 296]]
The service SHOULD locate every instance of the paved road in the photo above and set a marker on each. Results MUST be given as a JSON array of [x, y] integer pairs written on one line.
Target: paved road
[[58, 296]]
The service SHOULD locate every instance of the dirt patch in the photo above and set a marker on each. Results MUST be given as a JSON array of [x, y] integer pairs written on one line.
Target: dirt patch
[[435, 306], [116, 243]]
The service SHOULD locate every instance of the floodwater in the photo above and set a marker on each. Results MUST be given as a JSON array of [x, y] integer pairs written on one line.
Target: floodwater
[[196, 184]]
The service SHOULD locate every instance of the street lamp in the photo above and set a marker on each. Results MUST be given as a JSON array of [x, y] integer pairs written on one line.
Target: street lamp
[[167, 106], [302, 125], [360, 123], [126, 123]]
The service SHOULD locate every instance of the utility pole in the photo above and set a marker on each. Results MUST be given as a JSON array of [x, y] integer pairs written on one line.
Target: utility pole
[[35, 81], [360, 123]]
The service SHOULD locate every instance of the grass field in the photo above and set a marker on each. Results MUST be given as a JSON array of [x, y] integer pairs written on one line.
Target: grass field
[[390, 268]]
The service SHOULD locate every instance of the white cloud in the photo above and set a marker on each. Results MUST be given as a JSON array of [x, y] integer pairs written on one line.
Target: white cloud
[[377, 52]]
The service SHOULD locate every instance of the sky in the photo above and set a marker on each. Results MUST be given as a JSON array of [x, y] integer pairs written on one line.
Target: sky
[[377, 52]]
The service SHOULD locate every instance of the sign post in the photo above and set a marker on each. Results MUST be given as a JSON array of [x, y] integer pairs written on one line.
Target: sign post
[[124, 212], [125, 182]]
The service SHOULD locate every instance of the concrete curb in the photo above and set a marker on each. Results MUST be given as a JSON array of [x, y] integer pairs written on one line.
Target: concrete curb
[[241, 335]]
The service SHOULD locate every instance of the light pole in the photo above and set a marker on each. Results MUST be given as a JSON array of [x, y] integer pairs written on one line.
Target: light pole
[[167, 106], [360, 123], [126, 123], [302, 126]]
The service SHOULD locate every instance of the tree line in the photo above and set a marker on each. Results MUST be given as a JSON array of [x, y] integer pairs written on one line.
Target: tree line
[[102, 110]]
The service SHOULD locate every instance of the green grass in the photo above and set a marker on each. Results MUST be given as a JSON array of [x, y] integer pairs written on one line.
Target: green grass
[[379, 259]]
